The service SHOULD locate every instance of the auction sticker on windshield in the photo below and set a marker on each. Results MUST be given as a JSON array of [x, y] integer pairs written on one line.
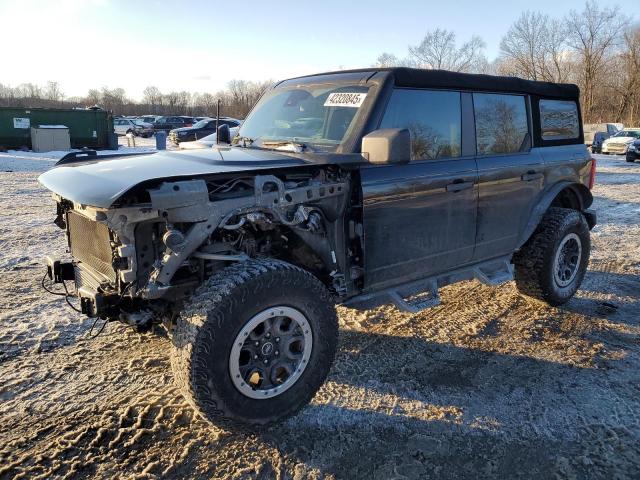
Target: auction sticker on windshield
[[345, 99]]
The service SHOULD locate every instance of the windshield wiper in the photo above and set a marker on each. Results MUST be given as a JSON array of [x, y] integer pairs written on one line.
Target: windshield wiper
[[284, 143]]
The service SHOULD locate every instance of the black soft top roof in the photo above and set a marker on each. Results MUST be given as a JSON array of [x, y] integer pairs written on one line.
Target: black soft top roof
[[422, 78]]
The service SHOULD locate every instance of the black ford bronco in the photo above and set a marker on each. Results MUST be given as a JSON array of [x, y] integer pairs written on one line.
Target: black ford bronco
[[357, 187]]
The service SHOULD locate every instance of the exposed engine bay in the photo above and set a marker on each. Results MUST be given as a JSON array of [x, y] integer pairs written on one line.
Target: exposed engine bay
[[137, 260]]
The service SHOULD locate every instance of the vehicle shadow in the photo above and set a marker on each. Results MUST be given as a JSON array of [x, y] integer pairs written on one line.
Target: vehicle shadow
[[406, 407]]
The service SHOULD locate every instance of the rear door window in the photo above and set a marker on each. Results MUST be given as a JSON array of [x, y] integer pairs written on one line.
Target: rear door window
[[559, 119], [501, 124], [433, 119]]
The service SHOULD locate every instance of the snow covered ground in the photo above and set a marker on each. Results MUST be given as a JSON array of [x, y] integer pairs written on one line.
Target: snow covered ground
[[19, 161], [488, 384]]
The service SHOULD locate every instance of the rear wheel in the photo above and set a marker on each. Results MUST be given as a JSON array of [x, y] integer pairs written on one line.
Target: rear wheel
[[254, 343], [553, 262]]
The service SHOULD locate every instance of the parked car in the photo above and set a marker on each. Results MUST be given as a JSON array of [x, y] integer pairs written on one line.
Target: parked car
[[122, 126], [188, 121], [149, 118], [200, 129], [208, 141], [169, 123], [620, 141], [146, 129], [358, 187], [603, 131], [633, 152], [598, 140]]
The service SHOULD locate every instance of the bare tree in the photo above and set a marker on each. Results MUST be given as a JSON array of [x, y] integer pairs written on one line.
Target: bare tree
[[29, 90], [559, 62], [152, 96], [438, 50], [535, 48], [93, 97], [385, 60], [593, 35], [523, 45], [627, 74], [171, 100], [53, 92], [113, 99]]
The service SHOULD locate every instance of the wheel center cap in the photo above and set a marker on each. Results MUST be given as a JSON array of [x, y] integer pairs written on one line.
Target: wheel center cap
[[267, 348]]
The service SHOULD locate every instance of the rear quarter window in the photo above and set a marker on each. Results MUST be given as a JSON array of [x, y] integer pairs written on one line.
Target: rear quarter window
[[559, 120], [501, 124]]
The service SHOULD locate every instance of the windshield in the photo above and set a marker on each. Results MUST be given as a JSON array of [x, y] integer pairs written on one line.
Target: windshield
[[139, 122], [319, 117], [201, 124], [627, 133]]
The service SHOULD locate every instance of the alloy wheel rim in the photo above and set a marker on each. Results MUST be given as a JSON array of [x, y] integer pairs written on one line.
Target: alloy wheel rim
[[270, 352], [566, 262]]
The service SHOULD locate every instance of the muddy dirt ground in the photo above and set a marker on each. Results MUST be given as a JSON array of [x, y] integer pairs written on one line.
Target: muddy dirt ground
[[489, 384]]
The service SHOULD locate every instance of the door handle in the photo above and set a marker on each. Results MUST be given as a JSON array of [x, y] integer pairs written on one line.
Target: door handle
[[459, 185], [530, 176]]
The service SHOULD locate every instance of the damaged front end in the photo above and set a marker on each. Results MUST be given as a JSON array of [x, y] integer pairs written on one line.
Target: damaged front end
[[137, 260]]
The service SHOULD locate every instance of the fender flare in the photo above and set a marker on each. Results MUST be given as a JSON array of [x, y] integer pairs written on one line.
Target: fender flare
[[583, 194]]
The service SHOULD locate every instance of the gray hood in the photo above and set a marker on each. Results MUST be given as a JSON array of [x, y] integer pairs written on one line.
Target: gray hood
[[100, 183]]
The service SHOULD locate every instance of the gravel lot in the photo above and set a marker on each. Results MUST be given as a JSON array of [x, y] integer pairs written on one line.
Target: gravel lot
[[489, 384]]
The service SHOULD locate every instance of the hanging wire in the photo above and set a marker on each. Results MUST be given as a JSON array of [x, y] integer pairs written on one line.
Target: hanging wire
[[67, 295], [50, 291], [91, 335]]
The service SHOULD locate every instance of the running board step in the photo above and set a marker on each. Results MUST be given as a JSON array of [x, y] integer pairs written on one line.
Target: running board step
[[416, 297], [494, 273]]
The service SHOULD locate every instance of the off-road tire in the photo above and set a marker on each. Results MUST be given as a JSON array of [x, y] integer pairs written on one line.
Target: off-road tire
[[216, 313], [534, 261]]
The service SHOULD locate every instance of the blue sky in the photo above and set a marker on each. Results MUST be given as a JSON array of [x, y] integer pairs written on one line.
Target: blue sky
[[200, 45]]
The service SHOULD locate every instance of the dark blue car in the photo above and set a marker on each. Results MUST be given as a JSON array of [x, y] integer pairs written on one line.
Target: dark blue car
[[200, 129]]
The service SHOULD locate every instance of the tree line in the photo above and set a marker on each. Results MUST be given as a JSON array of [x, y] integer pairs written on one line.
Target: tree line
[[236, 100], [597, 48]]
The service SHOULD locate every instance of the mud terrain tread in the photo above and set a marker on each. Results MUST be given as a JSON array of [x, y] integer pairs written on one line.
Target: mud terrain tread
[[214, 296], [530, 260]]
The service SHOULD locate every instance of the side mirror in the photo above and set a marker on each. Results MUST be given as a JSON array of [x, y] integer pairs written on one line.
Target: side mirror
[[387, 145], [223, 135]]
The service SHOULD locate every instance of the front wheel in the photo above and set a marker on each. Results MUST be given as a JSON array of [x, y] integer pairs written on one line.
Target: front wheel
[[551, 265], [254, 343]]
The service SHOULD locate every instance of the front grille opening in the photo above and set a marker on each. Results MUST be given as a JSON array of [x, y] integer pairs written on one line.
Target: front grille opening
[[90, 244]]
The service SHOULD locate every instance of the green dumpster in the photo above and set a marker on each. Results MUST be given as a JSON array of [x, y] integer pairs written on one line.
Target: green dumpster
[[87, 128]]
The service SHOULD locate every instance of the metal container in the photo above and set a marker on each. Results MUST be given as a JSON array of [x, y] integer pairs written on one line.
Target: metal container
[[161, 140], [49, 138], [87, 128]]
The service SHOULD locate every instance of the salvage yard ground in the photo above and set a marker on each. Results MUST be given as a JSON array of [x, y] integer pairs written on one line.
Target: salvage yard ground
[[489, 384]]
